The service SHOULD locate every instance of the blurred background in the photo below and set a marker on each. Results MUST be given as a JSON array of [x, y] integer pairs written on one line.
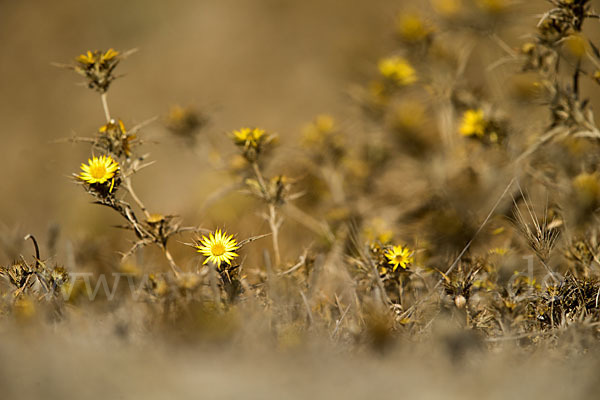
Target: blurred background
[[268, 63]]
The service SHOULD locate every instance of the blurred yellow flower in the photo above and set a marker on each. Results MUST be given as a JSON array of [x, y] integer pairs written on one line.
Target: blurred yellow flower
[[399, 256], [108, 55], [97, 56], [218, 248], [412, 28], [446, 7], [87, 58], [378, 230], [587, 188], [398, 70], [473, 123], [577, 45], [409, 115], [249, 137], [112, 124], [315, 132]]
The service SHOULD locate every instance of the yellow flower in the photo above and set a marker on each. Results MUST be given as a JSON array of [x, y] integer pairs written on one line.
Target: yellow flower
[[398, 70], [409, 116], [97, 56], [399, 256], [99, 170], [98, 68], [412, 28], [473, 123], [111, 125], [248, 136], [315, 132], [218, 248], [378, 230], [586, 187], [109, 55], [577, 45], [447, 7], [114, 138], [87, 58], [253, 141]]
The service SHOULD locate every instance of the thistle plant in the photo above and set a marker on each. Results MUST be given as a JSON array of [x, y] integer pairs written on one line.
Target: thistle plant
[[253, 144], [561, 56], [103, 177], [218, 248], [185, 122], [36, 277]]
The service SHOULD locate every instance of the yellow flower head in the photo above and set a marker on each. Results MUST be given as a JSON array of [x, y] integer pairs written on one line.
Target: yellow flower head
[[399, 256], [316, 131], [473, 123], [185, 121], [113, 125], [250, 137], [577, 45], [586, 188], [108, 55], [87, 58], [378, 230], [115, 139], [218, 248], [398, 70], [98, 68], [99, 170], [93, 57], [447, 8], [412, 28]]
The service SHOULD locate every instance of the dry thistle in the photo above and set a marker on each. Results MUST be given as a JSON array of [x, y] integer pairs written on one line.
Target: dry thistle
[[114, 139], [102, 175], [253, 142], [412, 28], [185, 122], [98, 67]]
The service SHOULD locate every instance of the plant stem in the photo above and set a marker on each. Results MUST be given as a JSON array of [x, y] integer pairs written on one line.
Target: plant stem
[[172, 263], [105, 106], [135, 198], [261, 180], [274, 223], [213, 277]]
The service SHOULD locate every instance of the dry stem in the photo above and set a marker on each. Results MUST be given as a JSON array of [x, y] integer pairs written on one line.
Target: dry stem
[[273, 220], [105, 106]]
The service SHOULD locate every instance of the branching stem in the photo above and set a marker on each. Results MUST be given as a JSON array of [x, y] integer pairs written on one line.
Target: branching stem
[[129, 187], [274, 221]]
